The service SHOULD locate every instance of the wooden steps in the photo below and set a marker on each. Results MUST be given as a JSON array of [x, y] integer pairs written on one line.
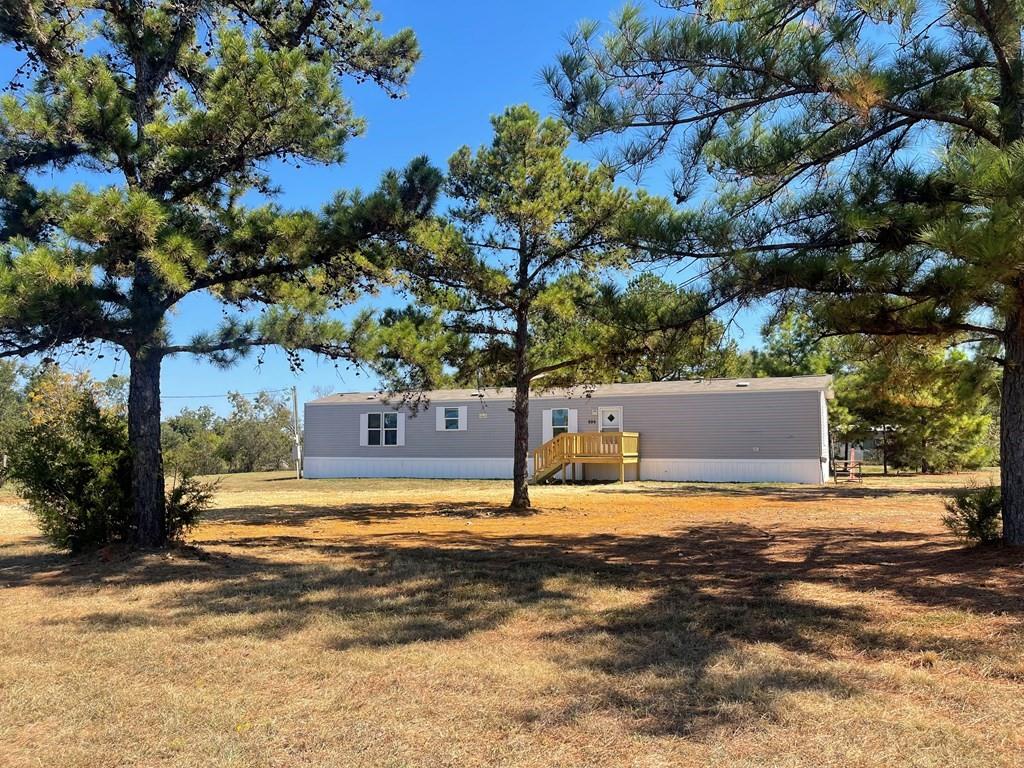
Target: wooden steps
[[571, 448]]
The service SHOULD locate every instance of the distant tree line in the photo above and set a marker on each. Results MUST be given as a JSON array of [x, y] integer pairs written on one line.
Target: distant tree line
[[257, 435]]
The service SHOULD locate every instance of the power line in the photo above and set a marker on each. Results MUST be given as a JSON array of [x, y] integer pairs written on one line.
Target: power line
[[210, 397]]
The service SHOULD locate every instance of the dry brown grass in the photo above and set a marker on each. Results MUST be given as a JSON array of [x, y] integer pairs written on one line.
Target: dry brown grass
[[416, 623]]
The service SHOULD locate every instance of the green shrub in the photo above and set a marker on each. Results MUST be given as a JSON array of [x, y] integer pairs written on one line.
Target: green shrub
[[72, 465], [71, 462], [186, 501], [974, 515]]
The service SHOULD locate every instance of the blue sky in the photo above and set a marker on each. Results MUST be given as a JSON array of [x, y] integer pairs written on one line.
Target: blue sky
[[478, 58]]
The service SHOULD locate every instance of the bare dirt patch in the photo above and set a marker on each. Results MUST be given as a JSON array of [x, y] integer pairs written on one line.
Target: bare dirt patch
[[419, 623]]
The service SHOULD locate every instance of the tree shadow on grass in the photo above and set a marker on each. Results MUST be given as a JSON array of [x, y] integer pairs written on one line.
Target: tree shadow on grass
[[675, 657], [780, 491], [369, 513]]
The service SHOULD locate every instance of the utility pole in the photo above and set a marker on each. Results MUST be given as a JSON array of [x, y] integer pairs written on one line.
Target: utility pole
[[298, 436], [885, 449]]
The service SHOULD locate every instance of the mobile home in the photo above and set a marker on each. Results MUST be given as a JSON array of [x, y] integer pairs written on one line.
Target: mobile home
[[718, 430]]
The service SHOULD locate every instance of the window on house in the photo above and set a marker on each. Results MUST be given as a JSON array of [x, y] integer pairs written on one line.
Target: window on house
[[451, 418], [382, 429], [373, 426], [559, 421], [390, 429]]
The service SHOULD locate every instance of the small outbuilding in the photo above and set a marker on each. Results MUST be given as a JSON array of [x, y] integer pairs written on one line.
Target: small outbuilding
[[715, 430]]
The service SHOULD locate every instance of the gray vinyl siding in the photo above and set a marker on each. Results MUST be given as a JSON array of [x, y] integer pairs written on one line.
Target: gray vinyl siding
[[333, 430], [718, 425]]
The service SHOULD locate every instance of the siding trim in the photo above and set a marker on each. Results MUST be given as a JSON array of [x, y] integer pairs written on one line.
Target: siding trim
[[826, 442]]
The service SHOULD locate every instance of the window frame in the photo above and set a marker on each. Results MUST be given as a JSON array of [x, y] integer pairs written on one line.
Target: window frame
[[382, 430], [375, 431], [559, 429], [448, 419]]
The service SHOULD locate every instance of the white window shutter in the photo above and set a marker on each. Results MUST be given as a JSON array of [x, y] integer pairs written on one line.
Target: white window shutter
[[573, 422], [463, 418], [439, 418], [401, 429], [547, 431], [363, 429]]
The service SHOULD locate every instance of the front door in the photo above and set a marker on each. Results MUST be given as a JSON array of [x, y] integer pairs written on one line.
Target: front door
[[609, 418]]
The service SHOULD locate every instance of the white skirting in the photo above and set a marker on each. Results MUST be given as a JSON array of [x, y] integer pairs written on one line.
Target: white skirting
[[735, 470], [693, 470], [467, 469]]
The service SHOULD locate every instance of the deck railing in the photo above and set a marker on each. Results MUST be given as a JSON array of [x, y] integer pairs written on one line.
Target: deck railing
[[570, 447]]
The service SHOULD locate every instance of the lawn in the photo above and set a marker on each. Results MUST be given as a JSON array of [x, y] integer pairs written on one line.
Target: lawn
[[417, 623]]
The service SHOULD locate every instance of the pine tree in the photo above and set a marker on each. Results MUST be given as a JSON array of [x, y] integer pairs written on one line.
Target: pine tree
[[528, 236], [12, 404], [645, 322], [867, 156], [179, 106], [794, 346], [926, 406], [933, 402]]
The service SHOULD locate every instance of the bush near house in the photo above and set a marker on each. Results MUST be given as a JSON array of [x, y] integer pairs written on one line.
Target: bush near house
[[71, 461]]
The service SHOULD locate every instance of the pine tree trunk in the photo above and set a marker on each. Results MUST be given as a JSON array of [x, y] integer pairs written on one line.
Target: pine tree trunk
[[520, 468], [147, 458], [1011, 431], [521, 410]]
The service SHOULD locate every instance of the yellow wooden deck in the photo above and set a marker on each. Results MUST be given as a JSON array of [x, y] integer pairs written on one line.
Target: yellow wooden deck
[[568, 449]]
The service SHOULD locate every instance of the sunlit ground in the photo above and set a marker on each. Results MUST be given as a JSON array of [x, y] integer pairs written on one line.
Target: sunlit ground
[[417, 623]]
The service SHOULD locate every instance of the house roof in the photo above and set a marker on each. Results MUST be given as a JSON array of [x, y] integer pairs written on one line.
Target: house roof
[[688, 387]]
